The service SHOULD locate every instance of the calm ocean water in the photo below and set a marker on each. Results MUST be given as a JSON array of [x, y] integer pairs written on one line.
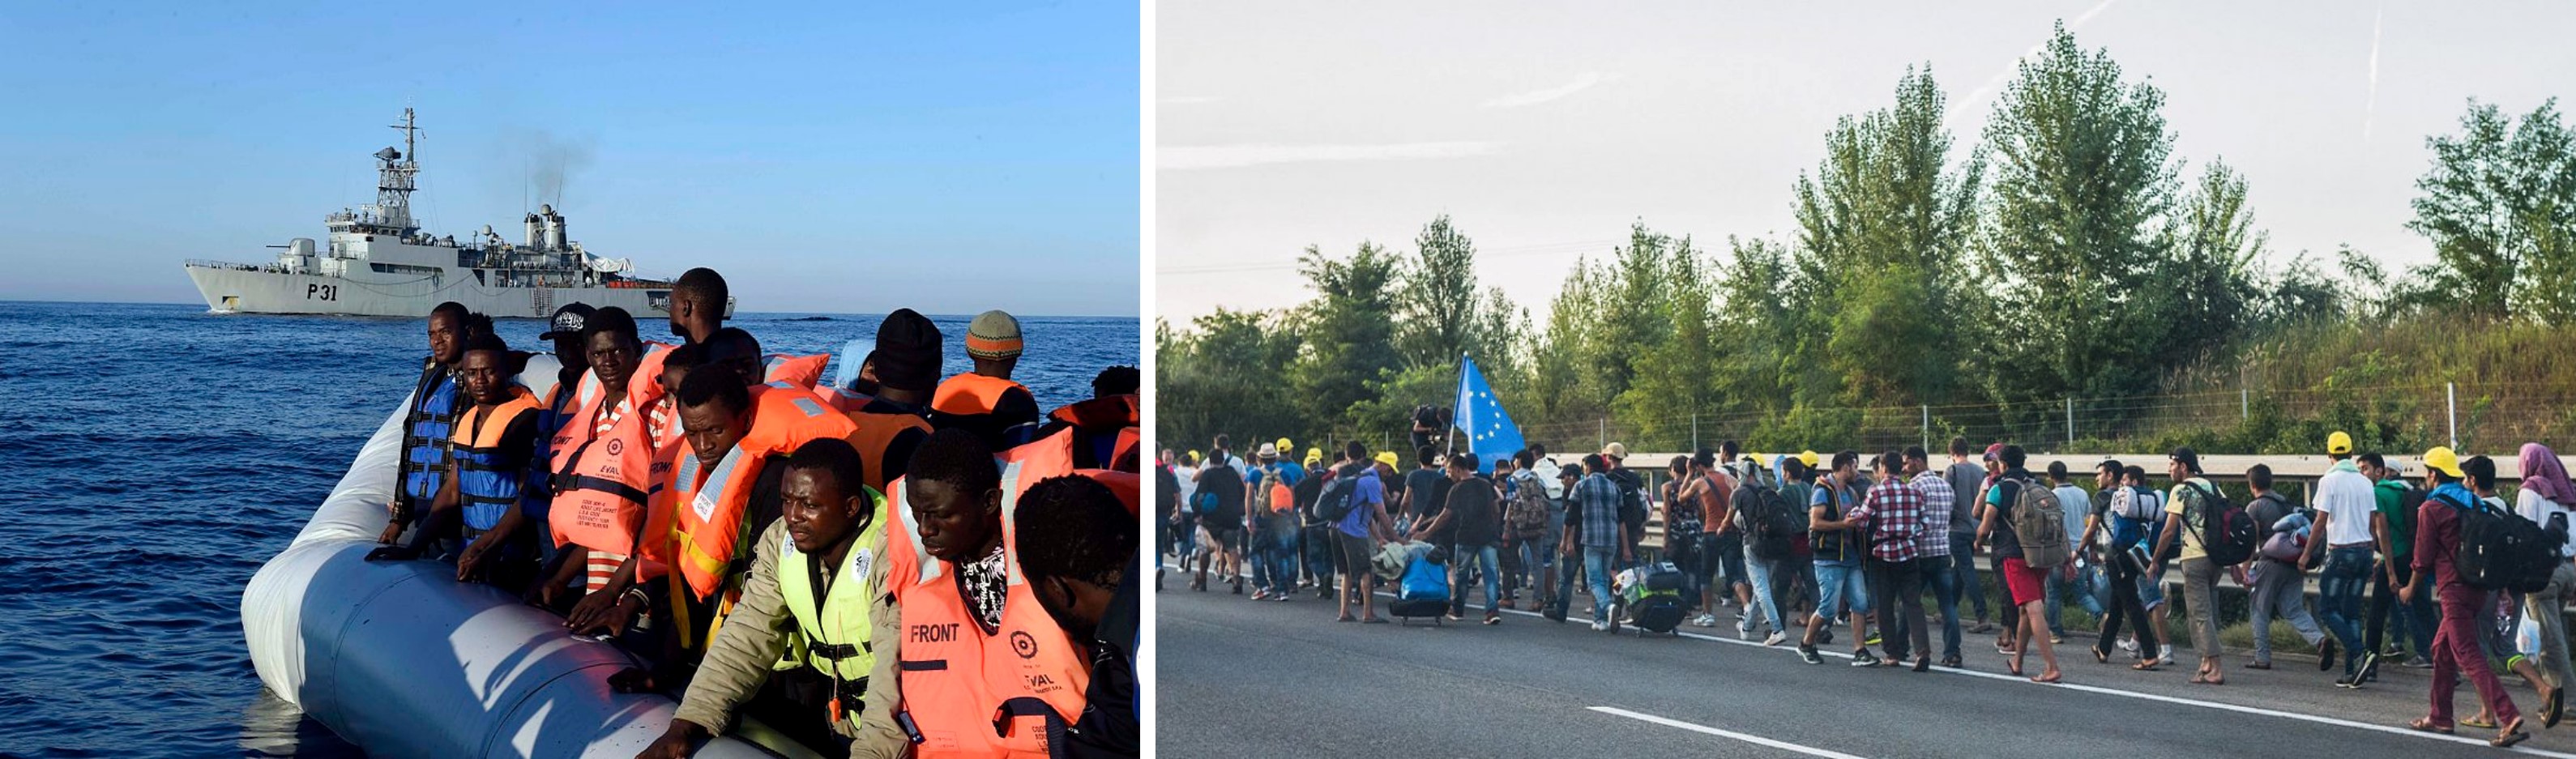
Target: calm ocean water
[[156, 455]]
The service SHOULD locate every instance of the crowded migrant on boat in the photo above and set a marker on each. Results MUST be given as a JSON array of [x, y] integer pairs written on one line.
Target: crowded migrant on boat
[[2458, 579], [897, 565]]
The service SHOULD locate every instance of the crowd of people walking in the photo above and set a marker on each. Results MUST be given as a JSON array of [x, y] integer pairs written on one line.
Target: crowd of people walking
[[2458, 580]]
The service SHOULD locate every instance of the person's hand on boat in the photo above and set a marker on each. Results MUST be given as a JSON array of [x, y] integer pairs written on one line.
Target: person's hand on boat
[[470, 564], [393, 532], [546, 595], [604, 612], [675, 742], [591, 610]]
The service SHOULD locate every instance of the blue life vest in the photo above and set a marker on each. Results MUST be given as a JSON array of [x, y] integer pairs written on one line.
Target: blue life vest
[[487, 485], [537, 493], [425, 445]]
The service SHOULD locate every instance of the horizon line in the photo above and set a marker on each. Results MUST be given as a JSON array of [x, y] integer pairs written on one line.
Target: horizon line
[[1017, 315]]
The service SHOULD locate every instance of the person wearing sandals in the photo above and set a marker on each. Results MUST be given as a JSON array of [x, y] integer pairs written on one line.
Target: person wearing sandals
[[2545, 499], [2025, 584], [1357, 534], [2199, 574], [2115, 535], [2455, 644]]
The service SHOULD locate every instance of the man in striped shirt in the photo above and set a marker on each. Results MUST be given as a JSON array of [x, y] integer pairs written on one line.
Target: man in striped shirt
[[1892, 514], [1934, 556]]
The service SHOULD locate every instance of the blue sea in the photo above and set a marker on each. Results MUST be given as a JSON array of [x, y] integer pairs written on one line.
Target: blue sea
[[156, 455]]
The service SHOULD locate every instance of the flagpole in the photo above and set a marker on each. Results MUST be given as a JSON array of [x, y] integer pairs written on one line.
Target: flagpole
[[1449, 435]]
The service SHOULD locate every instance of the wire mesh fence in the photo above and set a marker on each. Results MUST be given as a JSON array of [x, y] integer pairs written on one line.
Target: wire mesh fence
[[2483, 418]]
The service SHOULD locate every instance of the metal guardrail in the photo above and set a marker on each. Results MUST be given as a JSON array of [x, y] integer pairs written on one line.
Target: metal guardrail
[[2296, 472]]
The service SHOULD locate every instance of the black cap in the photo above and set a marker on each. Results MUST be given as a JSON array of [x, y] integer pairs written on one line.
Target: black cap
[[907, 354], [567, 321], [2190, 461]]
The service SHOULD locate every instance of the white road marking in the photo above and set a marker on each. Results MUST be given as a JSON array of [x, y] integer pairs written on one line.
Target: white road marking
[[2529, 720], [1753, 739]]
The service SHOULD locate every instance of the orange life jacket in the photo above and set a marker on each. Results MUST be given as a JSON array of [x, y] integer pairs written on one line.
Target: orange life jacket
[[805, 371], [1053, 457], [708, 503], [844, 399], [603, 483], [874, 433], [777, 367], [970, 394], [648, 371], [970, 691], [1083, 427]]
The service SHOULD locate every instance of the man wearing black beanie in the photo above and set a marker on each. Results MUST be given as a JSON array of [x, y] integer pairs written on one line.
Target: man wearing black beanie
[[897, 419]]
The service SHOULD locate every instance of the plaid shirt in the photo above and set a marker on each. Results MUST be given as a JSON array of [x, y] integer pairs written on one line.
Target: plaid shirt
[[1936, 521], [1897, 527], [1598, 498]]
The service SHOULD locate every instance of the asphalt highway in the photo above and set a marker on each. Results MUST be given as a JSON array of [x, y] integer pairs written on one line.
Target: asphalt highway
[[1262, 679]]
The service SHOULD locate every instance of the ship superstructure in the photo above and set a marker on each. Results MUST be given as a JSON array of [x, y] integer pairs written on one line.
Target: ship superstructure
[[376, 261]]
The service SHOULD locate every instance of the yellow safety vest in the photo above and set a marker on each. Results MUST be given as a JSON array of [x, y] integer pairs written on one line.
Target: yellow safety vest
[[836, 633]]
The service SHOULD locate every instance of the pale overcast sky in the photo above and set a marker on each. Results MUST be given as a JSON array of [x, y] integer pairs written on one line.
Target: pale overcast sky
[[1545, 129]]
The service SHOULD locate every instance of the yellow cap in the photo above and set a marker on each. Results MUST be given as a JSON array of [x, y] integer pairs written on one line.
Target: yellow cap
[[1195, 456], [1284, 445], [2338, 443], [1808, 458], [1387, 457], [1314, 454], [2441, 458]]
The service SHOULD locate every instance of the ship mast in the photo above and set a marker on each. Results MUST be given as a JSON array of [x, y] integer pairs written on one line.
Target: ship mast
[[394, 178]]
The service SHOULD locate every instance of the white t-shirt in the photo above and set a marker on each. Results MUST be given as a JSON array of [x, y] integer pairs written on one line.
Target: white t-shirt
[[2537, 508], [2347, 499]]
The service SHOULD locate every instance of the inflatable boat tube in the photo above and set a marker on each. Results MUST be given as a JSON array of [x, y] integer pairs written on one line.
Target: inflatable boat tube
[[402, 660]]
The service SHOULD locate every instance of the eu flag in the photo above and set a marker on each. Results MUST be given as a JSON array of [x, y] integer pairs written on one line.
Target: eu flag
[[1489, 429]]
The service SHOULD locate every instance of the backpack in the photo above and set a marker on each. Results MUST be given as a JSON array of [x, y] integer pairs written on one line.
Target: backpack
[[2227, 533], [1770, 524], [2501, 550], [1203, 503], [1272, 496], [1632, 501], [2039, 521], [1525, 515], [1335, 502]]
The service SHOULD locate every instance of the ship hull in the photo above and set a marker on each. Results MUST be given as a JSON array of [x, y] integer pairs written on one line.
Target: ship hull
[[253, 290]]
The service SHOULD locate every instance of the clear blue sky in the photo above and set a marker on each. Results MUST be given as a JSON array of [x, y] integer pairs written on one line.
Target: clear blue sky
[[948, 157]]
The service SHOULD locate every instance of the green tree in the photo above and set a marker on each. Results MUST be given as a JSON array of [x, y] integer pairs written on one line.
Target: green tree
[[2084, 180], [2499, 205], [1761, 318], [1436, 304], [1557, 372], [1887, 222], [1203, 386], [2205, 292], [1349, 330], [1673, 386]]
